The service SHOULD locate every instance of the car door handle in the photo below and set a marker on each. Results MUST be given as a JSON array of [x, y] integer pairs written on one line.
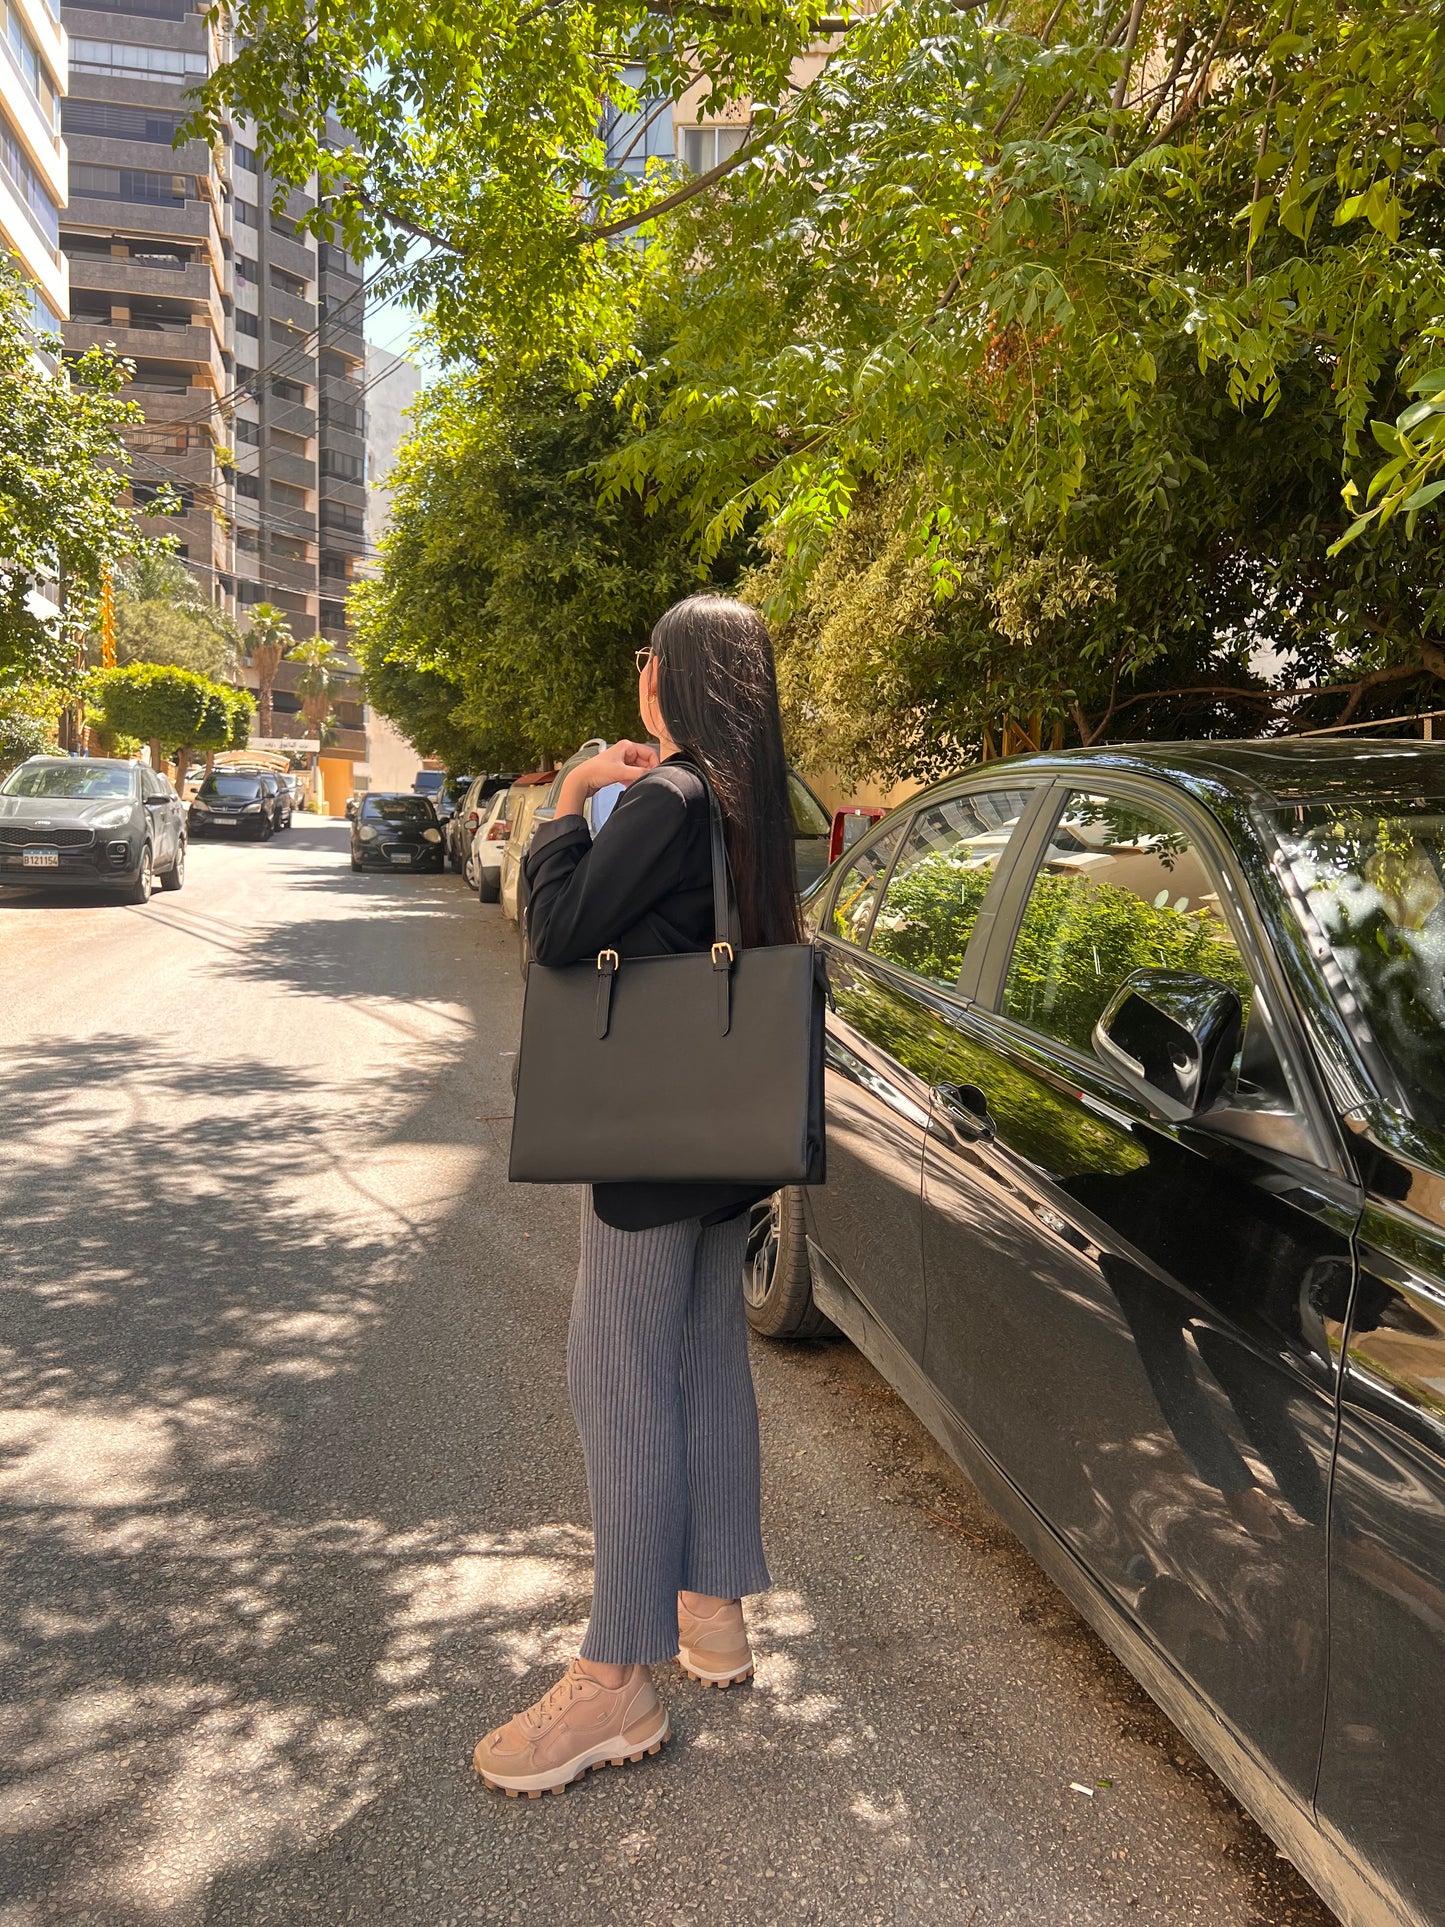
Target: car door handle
[[966, 1108]]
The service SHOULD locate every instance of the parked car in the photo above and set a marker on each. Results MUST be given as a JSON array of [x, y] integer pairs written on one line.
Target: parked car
[[279, 797], [233, 803], [93, 819], [286, 785], [466, 819], [396, 831], [528, 794], [1136, 1192], [429, 782], [486, 859], [450, 794]]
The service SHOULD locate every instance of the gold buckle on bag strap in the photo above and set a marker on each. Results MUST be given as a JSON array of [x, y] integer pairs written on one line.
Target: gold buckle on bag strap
[[608, 960], [727, 960]]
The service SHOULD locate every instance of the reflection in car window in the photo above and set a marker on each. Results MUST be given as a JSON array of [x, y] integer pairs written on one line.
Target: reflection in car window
[[68, 779], [939, 881], [809, 816], [231, 783], [857, 893], [1119, 889], [1374, 876]]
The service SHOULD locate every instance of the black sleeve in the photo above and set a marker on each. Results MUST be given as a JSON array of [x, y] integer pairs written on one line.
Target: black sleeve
[[583, 892]]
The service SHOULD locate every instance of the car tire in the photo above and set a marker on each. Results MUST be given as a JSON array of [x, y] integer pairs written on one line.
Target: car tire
[[489, 886], [268, 829], [175, 877], [138, 891], [355, 861], [777, 1283]]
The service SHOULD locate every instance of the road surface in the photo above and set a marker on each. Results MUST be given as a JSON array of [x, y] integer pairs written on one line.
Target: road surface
[[294, 1510]]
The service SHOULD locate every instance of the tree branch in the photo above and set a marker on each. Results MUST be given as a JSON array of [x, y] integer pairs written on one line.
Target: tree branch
[[1190, 104], [1131, 34]]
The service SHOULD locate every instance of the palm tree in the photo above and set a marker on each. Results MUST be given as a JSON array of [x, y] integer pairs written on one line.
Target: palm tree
[[268, 639], [316, 677]]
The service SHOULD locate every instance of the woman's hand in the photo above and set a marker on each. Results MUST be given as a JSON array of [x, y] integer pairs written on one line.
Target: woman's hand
[[621, 763]]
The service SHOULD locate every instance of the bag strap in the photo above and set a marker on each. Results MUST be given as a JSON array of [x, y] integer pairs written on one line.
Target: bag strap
[[726, 923]]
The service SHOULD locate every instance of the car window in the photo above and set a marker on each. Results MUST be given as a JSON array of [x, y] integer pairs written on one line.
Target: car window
[[231, 784], [857, 892], [73, 779], [940, 878], [1120, 888], [407, 810], [809, 816]]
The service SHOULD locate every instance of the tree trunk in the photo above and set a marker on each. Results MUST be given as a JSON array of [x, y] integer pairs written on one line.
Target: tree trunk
[[183, 763], [263, 707], [158, 760]]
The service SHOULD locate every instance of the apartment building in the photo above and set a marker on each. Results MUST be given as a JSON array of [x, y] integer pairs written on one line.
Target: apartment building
[[246, 336], [32, 153]]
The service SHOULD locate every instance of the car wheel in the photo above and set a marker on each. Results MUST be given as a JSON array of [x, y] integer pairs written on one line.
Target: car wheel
[[469, 874], [139, 891], [777, 1286], [489, 886], [355, 861], [175, 877], [268, 829]]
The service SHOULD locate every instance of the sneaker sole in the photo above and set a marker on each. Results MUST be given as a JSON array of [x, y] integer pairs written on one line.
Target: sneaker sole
[[720, 1680], [534, 1785]]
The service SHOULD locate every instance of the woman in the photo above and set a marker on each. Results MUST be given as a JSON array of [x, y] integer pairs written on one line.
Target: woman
[[657, 1362]]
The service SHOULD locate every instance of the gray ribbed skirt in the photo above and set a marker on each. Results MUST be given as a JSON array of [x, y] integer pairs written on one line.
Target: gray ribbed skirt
[[657, 1368]]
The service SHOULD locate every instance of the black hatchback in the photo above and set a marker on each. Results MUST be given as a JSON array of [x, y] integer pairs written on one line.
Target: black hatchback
[[1136, 1192], [396, 832]]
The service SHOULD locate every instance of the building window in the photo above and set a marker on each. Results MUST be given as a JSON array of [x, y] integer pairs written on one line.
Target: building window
[[246, 323], [245, 156], [290, 548], [248, 487], [287, 332], [142, 493], [143, 9], [704, 147], [161, 317], [29, 187], [289, 444], [335, 567], [130, 184], [27, 58], [132, 62], [334, 515], [251, 592], [245, 213], [344, 468], [158, 439], [247, 271], [248, 431], [285, 390], [119, 123], [159, 255], [336, 414], [284, 495], [293, 284]]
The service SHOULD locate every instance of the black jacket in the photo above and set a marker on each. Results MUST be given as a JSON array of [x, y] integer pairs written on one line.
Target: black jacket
[[641, 887]]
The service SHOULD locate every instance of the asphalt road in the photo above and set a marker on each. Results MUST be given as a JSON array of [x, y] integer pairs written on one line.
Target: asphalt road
[[294, 1511]]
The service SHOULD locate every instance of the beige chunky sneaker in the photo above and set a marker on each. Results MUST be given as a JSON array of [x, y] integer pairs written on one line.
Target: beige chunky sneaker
[[713, 1648], [579, 1724]]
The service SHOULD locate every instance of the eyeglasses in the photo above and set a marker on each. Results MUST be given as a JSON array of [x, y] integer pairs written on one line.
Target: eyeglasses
[[643, 658]]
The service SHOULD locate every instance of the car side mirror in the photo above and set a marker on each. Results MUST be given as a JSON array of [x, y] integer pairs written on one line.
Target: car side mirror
[[1171, 1037], [156, 802]]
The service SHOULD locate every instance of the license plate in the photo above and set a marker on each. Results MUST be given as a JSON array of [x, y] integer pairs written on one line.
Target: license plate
[[401, 856], [41, 860], [223, 822]]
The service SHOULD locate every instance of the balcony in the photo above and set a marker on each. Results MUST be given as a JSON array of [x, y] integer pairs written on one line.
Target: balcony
[[190, 346], [122, 278]]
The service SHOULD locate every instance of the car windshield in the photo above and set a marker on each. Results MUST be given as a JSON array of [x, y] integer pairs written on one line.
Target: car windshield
[[410, 810], [83, 780], [226, 783], [1373, 874]]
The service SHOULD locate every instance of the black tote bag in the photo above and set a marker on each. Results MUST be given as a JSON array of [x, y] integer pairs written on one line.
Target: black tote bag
[[702, 1068]]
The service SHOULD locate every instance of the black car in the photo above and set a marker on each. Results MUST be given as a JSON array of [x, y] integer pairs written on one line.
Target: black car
[[396, 831], [278, 791], [233, 803], [91, 819], [1136, 1192]]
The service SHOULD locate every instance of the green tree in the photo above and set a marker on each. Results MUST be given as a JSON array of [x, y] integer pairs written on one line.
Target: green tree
[[162, 616], [316, 678], [1047, 352], [267, 640], [63, 467], [511, 598], [174, 710]]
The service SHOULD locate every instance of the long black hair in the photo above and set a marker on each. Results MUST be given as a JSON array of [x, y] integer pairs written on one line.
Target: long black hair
[[718, 693]]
